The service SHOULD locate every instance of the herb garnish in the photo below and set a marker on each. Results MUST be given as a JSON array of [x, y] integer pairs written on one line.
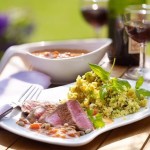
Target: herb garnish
[[96, 119], [116, 84], [139, 90], [100, 72]]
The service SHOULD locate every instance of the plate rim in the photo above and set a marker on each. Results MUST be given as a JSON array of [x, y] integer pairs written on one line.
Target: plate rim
[[75, 142]]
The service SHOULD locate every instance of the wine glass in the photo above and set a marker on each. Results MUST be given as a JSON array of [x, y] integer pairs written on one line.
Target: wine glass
[[95, 12], [137, 26]]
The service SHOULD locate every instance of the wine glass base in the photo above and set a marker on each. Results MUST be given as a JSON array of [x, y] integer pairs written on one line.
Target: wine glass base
[[135, 72]]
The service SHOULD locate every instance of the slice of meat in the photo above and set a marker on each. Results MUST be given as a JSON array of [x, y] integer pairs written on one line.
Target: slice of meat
[[72, 113], [54, 119], [35, 114], [35, 109], [28, 106], [79, 117]]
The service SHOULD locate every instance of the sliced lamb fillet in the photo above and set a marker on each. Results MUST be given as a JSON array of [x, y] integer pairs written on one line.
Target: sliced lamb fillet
[[36, 113], [51, 118], [54, 119], [28, 106], [35, 109], [72, 113]]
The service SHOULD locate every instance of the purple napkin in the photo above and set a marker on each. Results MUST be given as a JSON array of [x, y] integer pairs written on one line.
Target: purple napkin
[[13, 86]]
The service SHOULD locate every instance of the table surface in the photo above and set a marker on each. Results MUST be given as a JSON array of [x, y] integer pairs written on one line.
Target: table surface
[[135, 136]]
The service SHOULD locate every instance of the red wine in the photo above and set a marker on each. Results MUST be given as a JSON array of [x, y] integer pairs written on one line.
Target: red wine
[[120, 46], [97, 17], [138, 31], [123, 48]]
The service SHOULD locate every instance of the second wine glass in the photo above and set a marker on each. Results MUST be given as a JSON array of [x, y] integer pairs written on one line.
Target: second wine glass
[[95, 12], [137, 25]]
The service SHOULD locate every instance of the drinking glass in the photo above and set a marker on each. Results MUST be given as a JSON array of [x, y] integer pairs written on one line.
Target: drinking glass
[[137, 26], [95, 13]]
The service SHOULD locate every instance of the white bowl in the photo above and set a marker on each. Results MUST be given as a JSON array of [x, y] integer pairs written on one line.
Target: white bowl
[[63, 70]]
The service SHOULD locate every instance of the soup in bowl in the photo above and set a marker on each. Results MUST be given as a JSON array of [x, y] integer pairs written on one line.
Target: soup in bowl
[[63, 61], [59, 53]]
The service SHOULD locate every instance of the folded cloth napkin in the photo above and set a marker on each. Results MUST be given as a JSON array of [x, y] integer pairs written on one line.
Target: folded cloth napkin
[[14, 86]]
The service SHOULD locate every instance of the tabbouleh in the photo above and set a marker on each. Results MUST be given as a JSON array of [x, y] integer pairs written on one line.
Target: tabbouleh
[[106, 95]]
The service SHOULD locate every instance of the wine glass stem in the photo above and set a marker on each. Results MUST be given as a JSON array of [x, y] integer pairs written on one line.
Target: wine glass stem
[[142, 56], [97, 32]]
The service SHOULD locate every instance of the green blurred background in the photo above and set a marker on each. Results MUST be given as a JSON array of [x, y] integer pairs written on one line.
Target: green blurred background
[[54, 19]]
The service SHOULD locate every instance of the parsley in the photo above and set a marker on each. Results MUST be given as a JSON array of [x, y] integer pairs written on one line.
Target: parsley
[[115, 83], [100, 72], [139, 90], [119, 84], [96, 119], [139, 82], [109, 85], [103, 91]]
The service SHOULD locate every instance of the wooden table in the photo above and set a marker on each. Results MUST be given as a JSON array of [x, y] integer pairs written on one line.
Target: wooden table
[[135, 136]]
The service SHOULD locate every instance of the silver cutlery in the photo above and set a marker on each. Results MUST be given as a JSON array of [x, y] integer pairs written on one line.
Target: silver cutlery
[[31, 93]]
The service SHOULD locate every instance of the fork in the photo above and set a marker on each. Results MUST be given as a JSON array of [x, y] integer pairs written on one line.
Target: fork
[[31, 93]]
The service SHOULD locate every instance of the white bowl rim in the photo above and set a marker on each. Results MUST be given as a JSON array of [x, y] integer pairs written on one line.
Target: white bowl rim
[[48, 43]]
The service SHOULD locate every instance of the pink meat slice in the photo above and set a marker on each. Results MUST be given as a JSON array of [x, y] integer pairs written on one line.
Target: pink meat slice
[[28, 106], [78, 115], [72, 113], [37, 110], [54, 119], [35, 114]]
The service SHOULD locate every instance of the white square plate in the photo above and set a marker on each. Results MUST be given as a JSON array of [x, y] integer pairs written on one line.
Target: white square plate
[[53, 95]]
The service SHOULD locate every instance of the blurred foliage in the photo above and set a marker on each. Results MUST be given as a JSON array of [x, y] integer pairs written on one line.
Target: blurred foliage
[[16, 26], [55, 20]]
